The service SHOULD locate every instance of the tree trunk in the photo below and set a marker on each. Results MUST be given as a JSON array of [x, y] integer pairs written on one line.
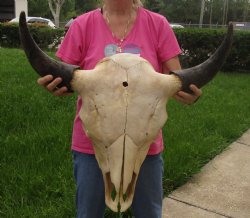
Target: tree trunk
[[246, 8], [225, 12], [55, 8], [202, 13], [211, 13]]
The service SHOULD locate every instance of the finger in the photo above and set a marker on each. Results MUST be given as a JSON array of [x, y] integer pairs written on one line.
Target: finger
[[185, 95], [186, 98], [52, 85], [61, 91], [44, 81], [197, 92], [180, 99]]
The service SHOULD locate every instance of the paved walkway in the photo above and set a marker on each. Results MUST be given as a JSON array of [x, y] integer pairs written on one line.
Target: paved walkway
[[221, 189]]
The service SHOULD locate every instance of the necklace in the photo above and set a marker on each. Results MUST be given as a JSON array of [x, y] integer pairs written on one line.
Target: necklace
[[120, 40]]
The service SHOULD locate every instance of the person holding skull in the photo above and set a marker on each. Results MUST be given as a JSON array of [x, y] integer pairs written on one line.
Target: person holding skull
[[119, 26]]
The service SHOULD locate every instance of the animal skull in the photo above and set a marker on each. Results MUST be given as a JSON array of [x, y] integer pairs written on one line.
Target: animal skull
[[124, 107], [124, 110]]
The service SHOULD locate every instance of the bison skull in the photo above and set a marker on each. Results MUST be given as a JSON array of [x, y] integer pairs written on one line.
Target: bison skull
[[124, 107]]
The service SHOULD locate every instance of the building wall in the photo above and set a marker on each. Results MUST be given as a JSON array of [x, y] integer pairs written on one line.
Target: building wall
[[7, 10], [10, 9], [21, 5]]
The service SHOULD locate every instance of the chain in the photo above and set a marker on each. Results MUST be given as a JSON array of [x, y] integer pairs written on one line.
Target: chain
[[125, 30]]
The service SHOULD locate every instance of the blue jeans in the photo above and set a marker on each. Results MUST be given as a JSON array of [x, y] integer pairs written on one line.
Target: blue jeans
[[90, 197]]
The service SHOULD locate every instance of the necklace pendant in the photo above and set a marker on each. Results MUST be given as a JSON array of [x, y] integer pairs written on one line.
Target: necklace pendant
[[119, 49]]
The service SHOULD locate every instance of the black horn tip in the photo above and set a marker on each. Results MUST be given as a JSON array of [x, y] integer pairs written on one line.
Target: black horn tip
[[230, 29], [22, 15], [40, 61], [230, 26], [22, 19], [201, 74]]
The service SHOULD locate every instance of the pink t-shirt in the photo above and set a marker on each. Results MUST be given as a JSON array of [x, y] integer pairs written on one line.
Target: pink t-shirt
[[89, 39]]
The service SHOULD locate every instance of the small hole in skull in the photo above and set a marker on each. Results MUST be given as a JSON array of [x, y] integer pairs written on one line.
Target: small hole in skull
[[125, 83]]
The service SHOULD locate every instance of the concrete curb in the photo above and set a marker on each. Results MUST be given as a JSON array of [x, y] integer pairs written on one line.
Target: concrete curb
[[221, 189]]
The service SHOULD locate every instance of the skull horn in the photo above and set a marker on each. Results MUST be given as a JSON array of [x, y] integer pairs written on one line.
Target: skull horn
[[40, 61], [201, 74]]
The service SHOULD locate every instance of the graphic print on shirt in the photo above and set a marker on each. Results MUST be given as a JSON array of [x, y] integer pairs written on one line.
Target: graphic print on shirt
[[112, 49]]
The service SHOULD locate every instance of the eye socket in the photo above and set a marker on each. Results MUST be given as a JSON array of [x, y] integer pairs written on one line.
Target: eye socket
[[125, 83]]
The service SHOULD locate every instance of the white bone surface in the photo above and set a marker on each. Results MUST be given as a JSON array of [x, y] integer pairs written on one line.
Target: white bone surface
[[124, 108]]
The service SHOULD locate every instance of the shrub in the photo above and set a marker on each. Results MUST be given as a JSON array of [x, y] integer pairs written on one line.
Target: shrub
[[9, 35], [43, 35], [199, 44]]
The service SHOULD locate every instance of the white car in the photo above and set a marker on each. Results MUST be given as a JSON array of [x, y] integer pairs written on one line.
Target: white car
[[175, 25], [36, 20]]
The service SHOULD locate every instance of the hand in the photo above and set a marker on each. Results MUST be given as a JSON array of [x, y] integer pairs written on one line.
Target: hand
[[186, 98], [49, 83]]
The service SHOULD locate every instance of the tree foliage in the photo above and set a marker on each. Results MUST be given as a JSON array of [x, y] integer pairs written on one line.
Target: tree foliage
[[180, 11], [84, 6], [154, 5], [40, 8], [188, 11]]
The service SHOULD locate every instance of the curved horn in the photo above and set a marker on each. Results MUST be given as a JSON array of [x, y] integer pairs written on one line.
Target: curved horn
[[201, 74], [40, 61]]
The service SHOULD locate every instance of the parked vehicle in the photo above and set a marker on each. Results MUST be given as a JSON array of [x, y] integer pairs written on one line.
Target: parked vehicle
[[67, 25], [41, 20], [175, 25], [66, 28]]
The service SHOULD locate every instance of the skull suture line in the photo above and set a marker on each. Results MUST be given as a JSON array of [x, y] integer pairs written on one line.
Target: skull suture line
[[124, 107]]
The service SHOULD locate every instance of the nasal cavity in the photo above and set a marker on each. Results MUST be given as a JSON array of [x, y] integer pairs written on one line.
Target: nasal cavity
[[125, 83]]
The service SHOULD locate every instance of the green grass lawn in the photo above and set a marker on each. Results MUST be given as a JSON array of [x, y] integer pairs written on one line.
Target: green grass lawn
[[35, 135]]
